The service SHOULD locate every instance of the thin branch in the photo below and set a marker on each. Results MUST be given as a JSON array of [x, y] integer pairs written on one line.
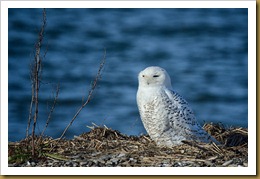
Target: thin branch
[[30, 112], [90, 94], [52, 108], [36, 75]]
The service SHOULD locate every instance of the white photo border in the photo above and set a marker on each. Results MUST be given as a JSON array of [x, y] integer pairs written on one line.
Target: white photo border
[[250, 170]]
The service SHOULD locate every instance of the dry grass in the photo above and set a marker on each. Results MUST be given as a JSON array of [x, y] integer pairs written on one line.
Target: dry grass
[[101, 144]]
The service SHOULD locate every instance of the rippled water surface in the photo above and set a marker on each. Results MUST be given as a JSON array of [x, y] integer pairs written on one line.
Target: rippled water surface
[[204, 50]]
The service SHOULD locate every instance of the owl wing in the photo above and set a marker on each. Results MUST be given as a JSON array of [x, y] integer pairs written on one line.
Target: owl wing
[[183, 119]]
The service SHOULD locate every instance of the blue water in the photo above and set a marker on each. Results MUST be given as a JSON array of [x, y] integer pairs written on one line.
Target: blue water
[[205, 52]]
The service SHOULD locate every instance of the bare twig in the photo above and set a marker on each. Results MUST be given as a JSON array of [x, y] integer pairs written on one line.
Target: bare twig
[[35, 78], [52, 108], [90, 94], [30, 111]]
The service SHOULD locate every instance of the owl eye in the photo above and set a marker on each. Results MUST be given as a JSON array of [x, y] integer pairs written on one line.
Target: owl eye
[[155, 76]]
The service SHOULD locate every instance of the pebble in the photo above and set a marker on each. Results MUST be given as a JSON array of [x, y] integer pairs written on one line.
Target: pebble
[[114, 161], [109, 163], [245, 164], [75, 164], [227, 163], [119, 160], [83, 164], [121, 155], [124, 160], [69, 164], [132, 160]]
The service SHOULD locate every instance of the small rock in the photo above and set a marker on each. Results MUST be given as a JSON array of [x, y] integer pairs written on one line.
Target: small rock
[[208, 163], [83, 164], [101, 161], [96, 153], [69, 164], [75, 164], [109, 163], [165, 165], [95, 161], [121, 155], [105, 157], [177, 164], [227, 163], [132, 160], [33, 164], [114, 161], [91, 163]]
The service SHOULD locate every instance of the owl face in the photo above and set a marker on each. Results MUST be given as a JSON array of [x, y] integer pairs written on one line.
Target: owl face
[[154, 76]]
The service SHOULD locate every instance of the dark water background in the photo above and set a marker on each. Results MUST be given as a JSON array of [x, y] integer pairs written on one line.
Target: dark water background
[[205, 52]]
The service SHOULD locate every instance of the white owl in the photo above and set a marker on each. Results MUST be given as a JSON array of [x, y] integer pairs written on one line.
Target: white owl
[[166, 116]]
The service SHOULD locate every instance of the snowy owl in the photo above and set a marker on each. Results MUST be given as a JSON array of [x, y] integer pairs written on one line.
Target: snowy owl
[[166, 116]]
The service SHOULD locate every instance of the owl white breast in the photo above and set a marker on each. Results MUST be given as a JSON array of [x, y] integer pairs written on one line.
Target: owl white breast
[[166, 116]]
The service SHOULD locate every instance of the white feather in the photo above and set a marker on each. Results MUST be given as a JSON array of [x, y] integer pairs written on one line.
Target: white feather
[[166, 115]]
